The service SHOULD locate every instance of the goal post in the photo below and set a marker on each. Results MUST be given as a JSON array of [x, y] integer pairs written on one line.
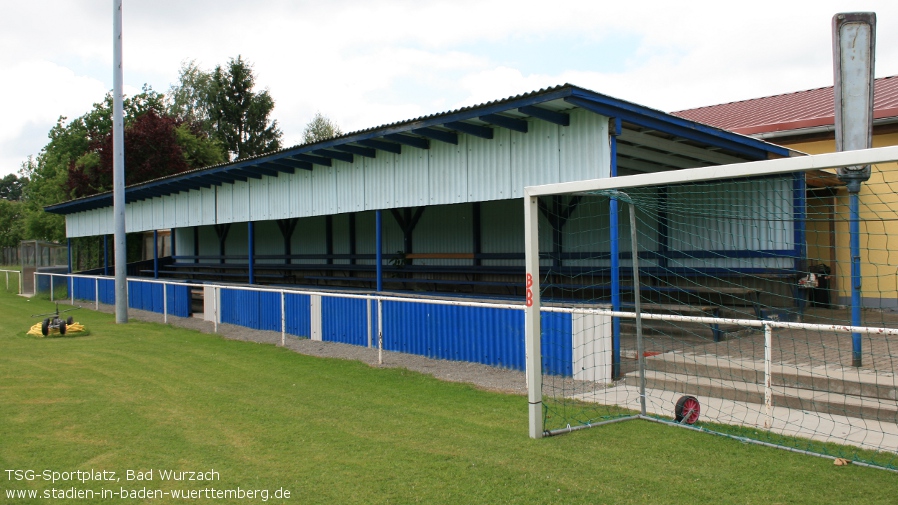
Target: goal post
[[731, 299], [532, 320]]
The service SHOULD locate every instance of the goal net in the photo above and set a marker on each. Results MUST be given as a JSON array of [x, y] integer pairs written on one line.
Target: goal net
[[723, 300]]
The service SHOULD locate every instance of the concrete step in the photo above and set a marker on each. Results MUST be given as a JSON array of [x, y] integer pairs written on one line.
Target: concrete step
[[834, 380], [825, 402]]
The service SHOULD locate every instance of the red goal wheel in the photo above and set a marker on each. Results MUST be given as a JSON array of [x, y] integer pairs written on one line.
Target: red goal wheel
[[687, 410]]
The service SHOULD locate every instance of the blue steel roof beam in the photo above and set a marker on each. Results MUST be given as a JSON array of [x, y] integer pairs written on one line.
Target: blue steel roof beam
[[253, 171], [219, 179], [294, 164], [657, 120], [409, 140], [347, 157], [518, 125], [484, 132], [317, 160], [183, 185], [279, 167], [383, 146], [288, 166], [361, 151], [196, 183], [559, 118], [155, 191], [441, 135]]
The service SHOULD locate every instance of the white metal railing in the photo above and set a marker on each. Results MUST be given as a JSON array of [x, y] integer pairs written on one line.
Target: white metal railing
[[7, 272], [216, 316], [767, 326]]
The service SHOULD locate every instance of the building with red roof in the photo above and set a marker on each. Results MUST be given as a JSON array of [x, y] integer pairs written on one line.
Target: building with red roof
[[801, 115], [805, 121]]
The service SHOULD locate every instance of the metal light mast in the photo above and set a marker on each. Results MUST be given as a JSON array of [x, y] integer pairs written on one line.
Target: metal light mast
[[118, 170]]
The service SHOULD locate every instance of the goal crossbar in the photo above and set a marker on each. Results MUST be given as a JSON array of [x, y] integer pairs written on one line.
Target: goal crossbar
[[747, 169]]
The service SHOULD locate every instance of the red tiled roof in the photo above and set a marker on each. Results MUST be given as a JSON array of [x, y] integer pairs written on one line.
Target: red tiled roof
[[791, 111]]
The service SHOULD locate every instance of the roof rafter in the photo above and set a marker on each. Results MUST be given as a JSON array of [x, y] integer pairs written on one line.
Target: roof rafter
[[317, 160], [514, 124], [409, 140], [559, 118], [383, 146], [656, 157], [441, 135], [337, 155], [303, 165], [361, 151], [673, 146], [484, 132]]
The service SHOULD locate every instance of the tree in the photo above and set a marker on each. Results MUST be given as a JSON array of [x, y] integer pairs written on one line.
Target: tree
[[240, 116], [77, 148], [320, 128], [11, 213], [189, 99], [155, 146], [11, 187]]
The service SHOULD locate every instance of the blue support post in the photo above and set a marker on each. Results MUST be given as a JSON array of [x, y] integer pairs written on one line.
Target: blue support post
[[171, 234], [155, 254], [615, 259], [800, 212], [855, 246], [378, 244], [251, 247], [105, 254], [70, 255]]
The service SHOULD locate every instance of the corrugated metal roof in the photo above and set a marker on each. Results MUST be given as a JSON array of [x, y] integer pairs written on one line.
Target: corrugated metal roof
[[549, 104], [789, 111]]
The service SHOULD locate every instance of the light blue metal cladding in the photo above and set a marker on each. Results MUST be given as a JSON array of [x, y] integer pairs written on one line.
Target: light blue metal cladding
[[474, 170], [555, 104]]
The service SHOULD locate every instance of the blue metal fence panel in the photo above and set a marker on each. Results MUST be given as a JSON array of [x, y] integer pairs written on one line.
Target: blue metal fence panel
[[84, 289], [344, 320], [148, 296], [269, 311], [145, 296], [491, 336], [107, 291], [253, 309], [179, 300], [557, 343], [298, 315], [237, 305]]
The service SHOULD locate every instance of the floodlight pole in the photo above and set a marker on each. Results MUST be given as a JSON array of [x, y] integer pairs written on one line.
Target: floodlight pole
[[118, 169], [854, 48]]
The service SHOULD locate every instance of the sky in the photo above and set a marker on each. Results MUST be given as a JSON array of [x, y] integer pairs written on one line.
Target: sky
[[368, 63]]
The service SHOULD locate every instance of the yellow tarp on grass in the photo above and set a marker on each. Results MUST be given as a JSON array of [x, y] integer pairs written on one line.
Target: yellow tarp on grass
[[75, 327]]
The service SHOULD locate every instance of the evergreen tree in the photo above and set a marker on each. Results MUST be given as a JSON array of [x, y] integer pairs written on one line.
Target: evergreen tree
[[239, 115]]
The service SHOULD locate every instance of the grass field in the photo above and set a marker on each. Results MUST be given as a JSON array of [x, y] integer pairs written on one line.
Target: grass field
[[152, 397]]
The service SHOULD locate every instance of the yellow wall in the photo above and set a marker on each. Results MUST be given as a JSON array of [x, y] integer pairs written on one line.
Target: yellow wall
[[879, 228]]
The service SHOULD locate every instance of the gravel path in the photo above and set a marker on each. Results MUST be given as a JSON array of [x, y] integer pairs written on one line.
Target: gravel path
[[482, 376]]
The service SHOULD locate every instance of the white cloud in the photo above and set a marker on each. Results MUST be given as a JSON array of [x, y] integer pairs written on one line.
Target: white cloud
[[369, 63]]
